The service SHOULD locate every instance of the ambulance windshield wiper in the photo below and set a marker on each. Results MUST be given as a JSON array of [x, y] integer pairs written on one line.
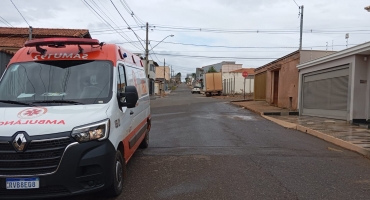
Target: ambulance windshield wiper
[[59, 101], [16, 102]]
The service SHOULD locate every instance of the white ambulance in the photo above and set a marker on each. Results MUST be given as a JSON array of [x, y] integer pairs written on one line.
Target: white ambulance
[[72, 113]]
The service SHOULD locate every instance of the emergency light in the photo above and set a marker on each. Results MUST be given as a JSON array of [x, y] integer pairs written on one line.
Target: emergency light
[[61, 42]]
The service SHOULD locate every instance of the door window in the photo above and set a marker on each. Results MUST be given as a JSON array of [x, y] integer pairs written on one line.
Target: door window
[[121, 79]]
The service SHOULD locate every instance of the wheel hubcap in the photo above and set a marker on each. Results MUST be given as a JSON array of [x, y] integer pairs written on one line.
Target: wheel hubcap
[[119, 173]]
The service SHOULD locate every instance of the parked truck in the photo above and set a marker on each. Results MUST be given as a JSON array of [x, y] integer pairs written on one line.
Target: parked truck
[[213, 84]]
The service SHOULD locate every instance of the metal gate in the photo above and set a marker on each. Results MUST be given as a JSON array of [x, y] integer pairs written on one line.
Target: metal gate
[[325, 93]]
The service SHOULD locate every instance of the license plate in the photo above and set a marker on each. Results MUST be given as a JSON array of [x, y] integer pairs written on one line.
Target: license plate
[[22, 183]]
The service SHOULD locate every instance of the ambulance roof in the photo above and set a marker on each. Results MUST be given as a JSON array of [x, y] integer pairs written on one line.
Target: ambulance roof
[[51, 49]]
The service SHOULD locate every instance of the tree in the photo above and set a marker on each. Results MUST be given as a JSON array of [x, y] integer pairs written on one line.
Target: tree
[[178, 77], [194, 75], [212, 70]]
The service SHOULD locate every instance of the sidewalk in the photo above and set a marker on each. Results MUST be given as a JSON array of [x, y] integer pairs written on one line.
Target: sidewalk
[[339, 132]]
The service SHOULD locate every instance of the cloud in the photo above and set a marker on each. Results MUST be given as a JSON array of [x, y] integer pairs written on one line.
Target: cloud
[[337, 16]]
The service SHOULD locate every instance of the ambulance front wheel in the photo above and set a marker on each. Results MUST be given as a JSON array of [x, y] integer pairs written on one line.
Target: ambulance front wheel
[[119, 168]]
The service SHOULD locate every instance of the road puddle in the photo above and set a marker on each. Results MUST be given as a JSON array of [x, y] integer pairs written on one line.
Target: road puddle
[[241, 117]]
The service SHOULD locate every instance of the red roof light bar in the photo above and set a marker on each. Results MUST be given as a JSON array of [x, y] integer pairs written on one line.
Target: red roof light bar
[[61, 41]]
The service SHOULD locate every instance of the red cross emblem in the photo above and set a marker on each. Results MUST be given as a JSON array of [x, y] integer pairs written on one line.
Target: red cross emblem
[[32, 112]]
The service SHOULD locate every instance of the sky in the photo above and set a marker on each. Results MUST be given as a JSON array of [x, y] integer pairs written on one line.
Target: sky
[[249, 32]]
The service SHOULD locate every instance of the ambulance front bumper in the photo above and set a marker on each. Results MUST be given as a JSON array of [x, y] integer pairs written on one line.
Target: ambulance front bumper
[[82, 168]]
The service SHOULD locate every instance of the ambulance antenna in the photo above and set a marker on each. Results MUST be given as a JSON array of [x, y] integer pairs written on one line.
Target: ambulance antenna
[[80, 49], [101, 44], [41, 50]]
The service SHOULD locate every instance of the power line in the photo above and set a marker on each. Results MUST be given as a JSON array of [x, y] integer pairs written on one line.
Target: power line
[[153, 52], [98, 7], [113, 22], [20, 12], [106, 22], [232, 47], [138, 18], [127, 23], [214, 57], [6, 22], [243, 47], [131, 12], [94, 13], [296, 3], [256, 31], [101, 10], [3, 22]]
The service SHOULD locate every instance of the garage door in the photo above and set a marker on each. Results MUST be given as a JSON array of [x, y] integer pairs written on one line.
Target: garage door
[[325, 93]]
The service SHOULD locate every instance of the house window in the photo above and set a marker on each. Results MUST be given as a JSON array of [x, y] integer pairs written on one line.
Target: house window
[[152, 68]]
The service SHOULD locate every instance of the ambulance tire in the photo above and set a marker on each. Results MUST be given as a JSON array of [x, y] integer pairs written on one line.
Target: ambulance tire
[[119, 169], [145, 143]]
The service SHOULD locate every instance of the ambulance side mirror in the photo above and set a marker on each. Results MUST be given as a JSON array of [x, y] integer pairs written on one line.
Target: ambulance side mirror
[[128, 98]]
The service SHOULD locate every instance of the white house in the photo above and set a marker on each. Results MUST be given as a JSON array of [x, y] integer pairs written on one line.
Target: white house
[[337, 86], [233, 81]]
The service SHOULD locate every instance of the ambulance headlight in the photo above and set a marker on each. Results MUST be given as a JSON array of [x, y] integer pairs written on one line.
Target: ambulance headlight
[[94, 131]]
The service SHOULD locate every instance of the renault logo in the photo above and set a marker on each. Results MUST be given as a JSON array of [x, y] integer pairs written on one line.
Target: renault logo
[[19, 142]]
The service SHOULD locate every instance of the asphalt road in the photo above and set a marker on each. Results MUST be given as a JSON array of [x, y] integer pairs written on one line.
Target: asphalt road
[[203, 148]]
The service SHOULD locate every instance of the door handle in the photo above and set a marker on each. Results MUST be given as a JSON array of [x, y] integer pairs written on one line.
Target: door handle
[[131, 112]]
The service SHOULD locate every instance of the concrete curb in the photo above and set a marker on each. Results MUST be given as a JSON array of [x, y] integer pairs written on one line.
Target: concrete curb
[[334, 140], [281, 122], [318, 134]]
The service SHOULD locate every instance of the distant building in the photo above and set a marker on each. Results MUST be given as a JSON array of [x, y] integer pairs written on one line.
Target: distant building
[[152, 76], [234, 82], [162, 77], [217, 66], [224, 66]]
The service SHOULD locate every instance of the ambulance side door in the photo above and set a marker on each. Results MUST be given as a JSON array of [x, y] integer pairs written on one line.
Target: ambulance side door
[[124, 117]]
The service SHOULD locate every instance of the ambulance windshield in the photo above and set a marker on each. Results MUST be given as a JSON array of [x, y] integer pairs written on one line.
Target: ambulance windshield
[[57, 83]]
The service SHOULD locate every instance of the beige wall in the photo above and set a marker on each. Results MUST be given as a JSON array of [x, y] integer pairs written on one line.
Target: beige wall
[[307, 55], [231, 67], [159, 72], [360, 89], [288, 82]]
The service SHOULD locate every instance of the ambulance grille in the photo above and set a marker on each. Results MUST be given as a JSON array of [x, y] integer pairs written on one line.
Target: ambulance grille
[[40, 157]]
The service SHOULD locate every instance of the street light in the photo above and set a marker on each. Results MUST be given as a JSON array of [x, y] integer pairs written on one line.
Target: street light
[[161, 41], [367, 8]]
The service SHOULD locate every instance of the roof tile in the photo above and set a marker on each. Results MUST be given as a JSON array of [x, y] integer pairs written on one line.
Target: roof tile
[[17, 42], [45, 32]]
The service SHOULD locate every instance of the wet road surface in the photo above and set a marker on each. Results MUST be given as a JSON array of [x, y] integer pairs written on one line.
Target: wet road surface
[[203, 148]]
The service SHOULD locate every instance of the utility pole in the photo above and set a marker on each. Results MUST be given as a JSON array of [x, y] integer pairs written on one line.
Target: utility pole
[[244, 87], [164, 74], [147, 51], [30, 33], [300, 38]]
